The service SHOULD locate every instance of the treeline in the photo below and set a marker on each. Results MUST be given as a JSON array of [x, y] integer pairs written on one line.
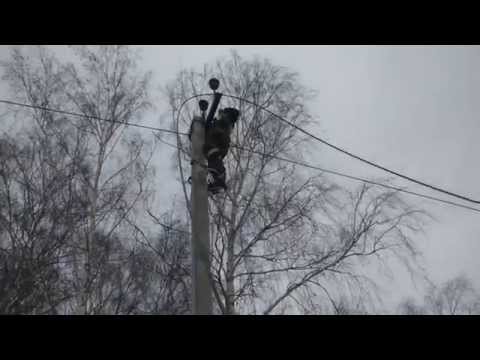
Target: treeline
[[78, 234]]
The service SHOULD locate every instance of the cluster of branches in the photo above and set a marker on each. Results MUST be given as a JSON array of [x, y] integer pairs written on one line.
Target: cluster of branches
[[75, 195], [284, 240], [456, 296], [73, 192]]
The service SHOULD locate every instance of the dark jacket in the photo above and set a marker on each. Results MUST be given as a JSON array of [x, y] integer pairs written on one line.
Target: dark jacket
[[217, 134]]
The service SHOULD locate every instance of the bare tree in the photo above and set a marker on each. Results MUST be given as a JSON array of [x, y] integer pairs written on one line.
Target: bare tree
[[454, 297], [279, 231], [166, 265], [38, 215], [108, 86], [73, 189], [73, 192]]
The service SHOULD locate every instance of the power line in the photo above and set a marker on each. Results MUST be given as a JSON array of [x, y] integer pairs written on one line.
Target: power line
[[88, 116], [114, 121], [353, 155], [357, 178], [253, 151], [351, 177]]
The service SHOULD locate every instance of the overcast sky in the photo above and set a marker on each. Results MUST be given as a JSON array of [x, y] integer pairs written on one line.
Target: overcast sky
[[410, 108]]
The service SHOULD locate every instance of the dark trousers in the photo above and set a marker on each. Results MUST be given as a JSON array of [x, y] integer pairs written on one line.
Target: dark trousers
[[216, 168]]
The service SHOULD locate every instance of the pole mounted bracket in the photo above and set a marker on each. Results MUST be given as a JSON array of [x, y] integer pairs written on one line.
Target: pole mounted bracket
[[214, 84], [213, 108]]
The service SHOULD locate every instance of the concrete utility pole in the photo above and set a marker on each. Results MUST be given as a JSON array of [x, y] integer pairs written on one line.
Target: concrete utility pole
[[202, 292], [202, 285]]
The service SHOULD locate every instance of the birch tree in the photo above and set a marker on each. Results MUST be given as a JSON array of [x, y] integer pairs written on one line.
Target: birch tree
[[285, 239], [74, 188], [456, 296]]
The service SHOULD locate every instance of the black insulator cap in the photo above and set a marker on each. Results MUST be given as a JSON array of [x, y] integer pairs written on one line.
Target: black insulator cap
[[203, 104], [214, 84]]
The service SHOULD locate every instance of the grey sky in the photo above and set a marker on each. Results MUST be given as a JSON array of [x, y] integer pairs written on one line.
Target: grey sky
[[411, 108]]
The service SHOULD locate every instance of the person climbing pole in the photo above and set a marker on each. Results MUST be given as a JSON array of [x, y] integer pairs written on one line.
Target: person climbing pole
[[217, 144]]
